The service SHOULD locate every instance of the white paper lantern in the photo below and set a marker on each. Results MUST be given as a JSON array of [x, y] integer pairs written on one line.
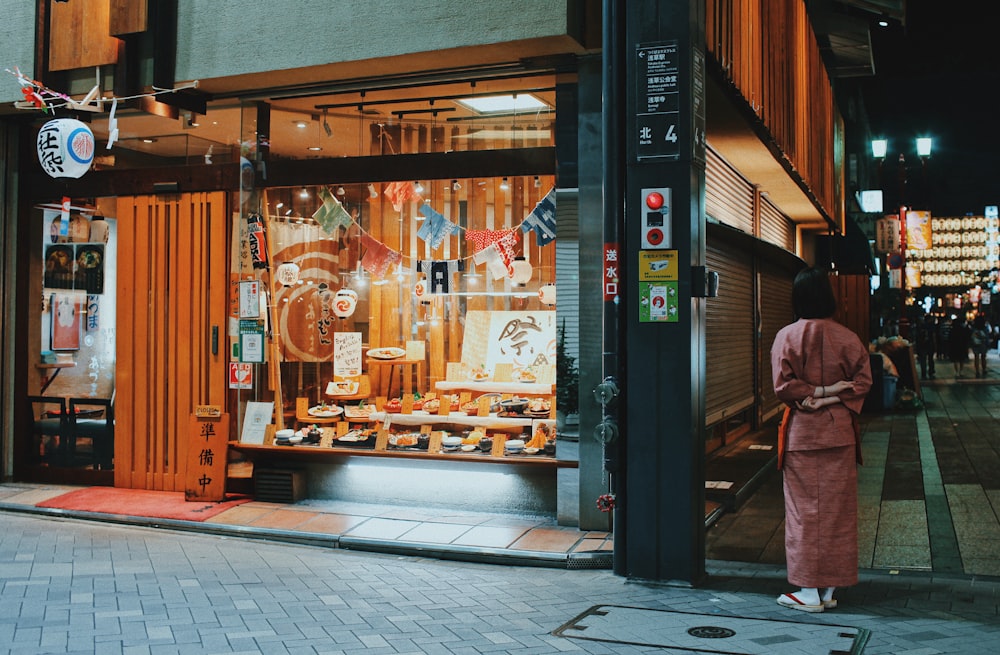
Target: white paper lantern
[[421, 291], [547, 294], [344, 303], [521, 271], [65, 147], [287, 274]]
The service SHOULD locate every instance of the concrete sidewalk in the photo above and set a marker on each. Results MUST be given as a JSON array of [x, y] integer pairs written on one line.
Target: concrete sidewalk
[[71, 586]]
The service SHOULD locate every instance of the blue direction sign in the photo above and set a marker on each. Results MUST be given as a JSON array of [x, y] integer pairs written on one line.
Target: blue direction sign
[[658, 101]]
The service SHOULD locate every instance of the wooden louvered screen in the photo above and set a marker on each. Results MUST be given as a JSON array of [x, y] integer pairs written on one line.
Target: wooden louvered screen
[[775, 227], [775, 303], [728, 196], [729, 334], [172, 289]]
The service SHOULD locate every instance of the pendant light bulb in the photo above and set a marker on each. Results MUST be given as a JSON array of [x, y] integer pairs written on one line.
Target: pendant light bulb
[[504, 184], [455, 186], [418, 187], [372, 193]]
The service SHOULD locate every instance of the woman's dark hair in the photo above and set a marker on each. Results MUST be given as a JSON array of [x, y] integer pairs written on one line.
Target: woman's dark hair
[[812, 295]]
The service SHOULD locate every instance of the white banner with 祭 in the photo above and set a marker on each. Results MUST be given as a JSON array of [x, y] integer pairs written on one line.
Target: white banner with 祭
[[522, 339]]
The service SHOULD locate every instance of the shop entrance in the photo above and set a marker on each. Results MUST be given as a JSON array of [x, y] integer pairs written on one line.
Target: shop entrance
[[172, 290]]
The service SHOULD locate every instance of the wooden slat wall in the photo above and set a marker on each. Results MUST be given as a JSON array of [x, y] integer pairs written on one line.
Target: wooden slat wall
[[768, 50], [171, 291]]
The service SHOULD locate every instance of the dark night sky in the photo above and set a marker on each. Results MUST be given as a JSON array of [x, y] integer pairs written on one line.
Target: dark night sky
[[939, 76]]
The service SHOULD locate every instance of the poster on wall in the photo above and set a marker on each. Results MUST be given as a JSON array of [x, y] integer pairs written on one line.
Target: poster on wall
[[89, 268], [59, 265], [66, 321]]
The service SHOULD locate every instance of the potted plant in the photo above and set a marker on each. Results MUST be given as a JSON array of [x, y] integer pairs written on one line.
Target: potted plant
[[567, 380]]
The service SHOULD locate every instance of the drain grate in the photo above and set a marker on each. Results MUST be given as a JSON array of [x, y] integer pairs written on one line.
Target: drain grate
[[711, 633]]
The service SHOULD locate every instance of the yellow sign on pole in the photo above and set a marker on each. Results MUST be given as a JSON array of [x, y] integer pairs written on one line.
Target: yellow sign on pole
[[657, 265]]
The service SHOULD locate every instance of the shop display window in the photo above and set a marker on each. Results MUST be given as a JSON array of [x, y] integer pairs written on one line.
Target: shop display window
[[400, 302]]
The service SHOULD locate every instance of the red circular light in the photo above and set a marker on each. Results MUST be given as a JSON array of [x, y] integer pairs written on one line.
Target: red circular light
[[654, 200]]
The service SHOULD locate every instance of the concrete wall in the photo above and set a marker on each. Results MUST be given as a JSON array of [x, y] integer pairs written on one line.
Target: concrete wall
[[221, 38], [17, 48]]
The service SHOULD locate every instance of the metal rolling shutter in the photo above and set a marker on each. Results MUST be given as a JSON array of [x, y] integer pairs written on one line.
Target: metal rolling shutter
[[775, 227], [775, 313], [729, 334], [728, 196]]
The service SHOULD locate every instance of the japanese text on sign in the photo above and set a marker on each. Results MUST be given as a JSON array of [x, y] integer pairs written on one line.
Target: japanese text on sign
[[611, 271], [657, 101]]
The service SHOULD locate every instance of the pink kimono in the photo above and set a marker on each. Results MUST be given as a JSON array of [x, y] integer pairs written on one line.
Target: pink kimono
[[820, 474]]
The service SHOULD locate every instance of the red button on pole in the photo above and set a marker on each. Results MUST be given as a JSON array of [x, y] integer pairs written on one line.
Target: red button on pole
[[654, 200]]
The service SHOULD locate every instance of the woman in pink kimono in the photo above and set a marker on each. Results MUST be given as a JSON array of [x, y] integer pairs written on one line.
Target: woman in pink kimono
[[821, 372]]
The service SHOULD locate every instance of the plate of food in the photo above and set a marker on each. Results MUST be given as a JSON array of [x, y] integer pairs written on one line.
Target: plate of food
[[324, 410], [525, 375], [404, 440], [386, 353], [479, 374], [358, 411], [342, 388]]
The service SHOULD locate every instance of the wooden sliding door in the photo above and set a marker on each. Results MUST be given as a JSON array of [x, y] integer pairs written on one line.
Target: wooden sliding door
[[172, 291]]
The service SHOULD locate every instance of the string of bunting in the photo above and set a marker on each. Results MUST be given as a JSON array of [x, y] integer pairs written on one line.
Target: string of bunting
[[494, 248], [39, 96]]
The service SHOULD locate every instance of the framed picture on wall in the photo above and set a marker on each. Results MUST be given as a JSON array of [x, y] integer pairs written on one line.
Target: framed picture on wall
[[66, 321]]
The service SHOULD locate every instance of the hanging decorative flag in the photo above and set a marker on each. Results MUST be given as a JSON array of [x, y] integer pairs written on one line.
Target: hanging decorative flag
[[331, 214], [542, 219], [494, 262], [503, 240], [65, 147], [258, 240], [436, 228], [399, 193], [378, 257], [439, 273]]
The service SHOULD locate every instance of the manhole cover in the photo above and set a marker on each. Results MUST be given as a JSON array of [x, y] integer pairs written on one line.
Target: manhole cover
[[712, 633]]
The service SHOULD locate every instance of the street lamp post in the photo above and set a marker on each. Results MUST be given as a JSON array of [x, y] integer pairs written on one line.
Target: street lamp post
[[880, 148]]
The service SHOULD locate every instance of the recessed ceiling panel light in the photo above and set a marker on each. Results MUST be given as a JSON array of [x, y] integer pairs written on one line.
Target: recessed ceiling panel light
[[502, 103]]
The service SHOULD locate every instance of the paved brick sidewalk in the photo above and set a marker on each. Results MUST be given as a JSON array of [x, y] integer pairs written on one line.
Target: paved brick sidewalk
[[69, 586]]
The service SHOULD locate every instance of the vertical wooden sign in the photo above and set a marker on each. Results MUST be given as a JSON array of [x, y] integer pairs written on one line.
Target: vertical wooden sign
[[208, 439]]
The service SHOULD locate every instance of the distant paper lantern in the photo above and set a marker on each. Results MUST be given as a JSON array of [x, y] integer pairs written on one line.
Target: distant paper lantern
[[65, 148], [521, 271], [287, 274], [344, 303], [547, 294]]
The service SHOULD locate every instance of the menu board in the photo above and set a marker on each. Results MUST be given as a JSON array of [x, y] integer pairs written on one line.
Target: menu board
[[346, 354]]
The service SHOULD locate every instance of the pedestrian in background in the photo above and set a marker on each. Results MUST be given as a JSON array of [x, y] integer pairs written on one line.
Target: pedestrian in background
[[925, 344], [980, 340], [821, 373], [958, 344]]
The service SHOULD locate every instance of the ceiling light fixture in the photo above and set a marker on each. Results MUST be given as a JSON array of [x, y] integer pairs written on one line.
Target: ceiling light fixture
[[372, 193], [504, 184], [418, 187], [304, 193], [340, 190], [455, 186], [538, 182]]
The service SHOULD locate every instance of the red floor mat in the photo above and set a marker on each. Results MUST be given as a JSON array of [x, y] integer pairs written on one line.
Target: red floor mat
[[140, 502]]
